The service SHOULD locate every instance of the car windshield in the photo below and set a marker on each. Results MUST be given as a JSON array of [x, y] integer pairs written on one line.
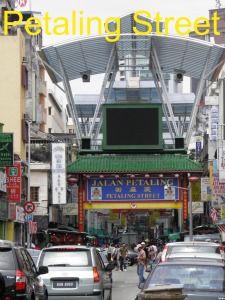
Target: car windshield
[[198, 277], [65, 258]]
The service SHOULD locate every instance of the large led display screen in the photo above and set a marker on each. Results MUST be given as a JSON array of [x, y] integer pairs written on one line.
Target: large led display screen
[[132, 126]]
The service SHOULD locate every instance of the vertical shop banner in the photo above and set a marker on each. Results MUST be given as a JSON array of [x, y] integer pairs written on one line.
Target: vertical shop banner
[[198, 144], [206, 192], [223, 212], [33, 227], [221, 160], [196, 191], [13, 182], [58, 173], [6, 149], [20, 215], [218, 192], [80, 209]]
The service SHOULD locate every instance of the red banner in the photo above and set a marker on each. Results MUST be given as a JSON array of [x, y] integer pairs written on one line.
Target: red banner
[[80, 209], [33, 227], [13, 182]]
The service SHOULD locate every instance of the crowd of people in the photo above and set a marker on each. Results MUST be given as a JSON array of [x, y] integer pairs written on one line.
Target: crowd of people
[[146, 256]]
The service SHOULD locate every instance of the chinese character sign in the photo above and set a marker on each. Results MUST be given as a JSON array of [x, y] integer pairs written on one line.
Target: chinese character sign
[[205, 189], [218, 191], [126, 189], [6, 149], [58, 173], [13, 182]]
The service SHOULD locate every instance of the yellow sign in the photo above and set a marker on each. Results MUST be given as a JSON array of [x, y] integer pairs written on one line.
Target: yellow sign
[[113, 216], [223, 212]]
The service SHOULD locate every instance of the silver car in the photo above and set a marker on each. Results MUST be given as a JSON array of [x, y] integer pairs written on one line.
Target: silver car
[[75, 272], [197, 280]]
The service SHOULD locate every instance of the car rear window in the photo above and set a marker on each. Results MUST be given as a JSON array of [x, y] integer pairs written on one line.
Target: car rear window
[[65, 257], [193, 249], [6, 259], [199, 277]]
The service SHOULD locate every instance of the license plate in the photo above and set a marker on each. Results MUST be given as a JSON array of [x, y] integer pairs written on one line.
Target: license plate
[[64, 284]]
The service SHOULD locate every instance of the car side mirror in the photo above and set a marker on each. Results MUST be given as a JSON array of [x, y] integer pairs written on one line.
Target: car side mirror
[[42, 270]]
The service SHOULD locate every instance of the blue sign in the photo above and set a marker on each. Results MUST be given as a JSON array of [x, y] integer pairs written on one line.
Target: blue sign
[[127, 189], [198, 147], [29, 217]]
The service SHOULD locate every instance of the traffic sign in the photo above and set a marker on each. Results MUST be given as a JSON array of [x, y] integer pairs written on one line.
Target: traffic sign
[[29, 217], [29, 207]]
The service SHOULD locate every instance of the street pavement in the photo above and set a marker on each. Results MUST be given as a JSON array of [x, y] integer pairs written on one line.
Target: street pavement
[[125, 284]]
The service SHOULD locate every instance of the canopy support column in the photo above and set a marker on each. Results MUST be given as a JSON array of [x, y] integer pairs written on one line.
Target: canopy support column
[[106, 77], [165, 95], [70, 98], [197, 101]]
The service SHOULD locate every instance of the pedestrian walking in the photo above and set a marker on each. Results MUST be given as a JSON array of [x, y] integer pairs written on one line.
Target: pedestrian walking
[[152, 254], [141, 260], [116, 257], [146, 253], [123, 253]]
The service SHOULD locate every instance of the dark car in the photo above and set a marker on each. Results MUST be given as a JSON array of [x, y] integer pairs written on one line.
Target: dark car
[[197, 280], [131, 257], [18, 273]]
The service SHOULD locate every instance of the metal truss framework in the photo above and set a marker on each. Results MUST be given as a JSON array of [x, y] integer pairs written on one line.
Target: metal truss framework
[[151, 48]]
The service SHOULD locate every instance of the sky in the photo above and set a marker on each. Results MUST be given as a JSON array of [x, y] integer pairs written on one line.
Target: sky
[[104, 9]]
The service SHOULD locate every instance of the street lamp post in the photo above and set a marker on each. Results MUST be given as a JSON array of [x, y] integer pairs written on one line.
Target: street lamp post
[[189, 189]]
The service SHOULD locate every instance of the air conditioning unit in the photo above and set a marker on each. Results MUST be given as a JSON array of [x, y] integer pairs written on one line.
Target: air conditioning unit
[[25, 60], [26, 116]]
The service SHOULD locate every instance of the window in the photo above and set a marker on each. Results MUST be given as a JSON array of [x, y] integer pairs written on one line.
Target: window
[[49, 111], [34, 194], [24, 77], [50, 130]]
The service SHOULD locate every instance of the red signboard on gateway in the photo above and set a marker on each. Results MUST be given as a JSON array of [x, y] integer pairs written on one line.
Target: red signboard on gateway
[[13, 182]]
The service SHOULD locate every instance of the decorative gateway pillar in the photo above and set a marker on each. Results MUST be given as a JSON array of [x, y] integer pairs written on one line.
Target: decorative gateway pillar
[[81, 204], [185, 203]]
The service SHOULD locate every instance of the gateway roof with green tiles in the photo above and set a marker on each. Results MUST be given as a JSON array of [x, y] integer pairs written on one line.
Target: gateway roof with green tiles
[[142, 163]]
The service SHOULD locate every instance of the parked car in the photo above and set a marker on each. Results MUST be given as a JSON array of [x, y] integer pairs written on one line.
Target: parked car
[[106, 262], [190, 247], [75, 272], [131, 257], [198, 280], [18, 274]]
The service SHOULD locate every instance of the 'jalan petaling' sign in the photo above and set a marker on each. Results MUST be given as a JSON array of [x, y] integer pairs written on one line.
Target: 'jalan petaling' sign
[[6, 149], [138, 189]]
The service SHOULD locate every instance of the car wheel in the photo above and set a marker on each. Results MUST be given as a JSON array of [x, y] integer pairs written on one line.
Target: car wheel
[[128, 261], [2, 284], [110, 296]]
